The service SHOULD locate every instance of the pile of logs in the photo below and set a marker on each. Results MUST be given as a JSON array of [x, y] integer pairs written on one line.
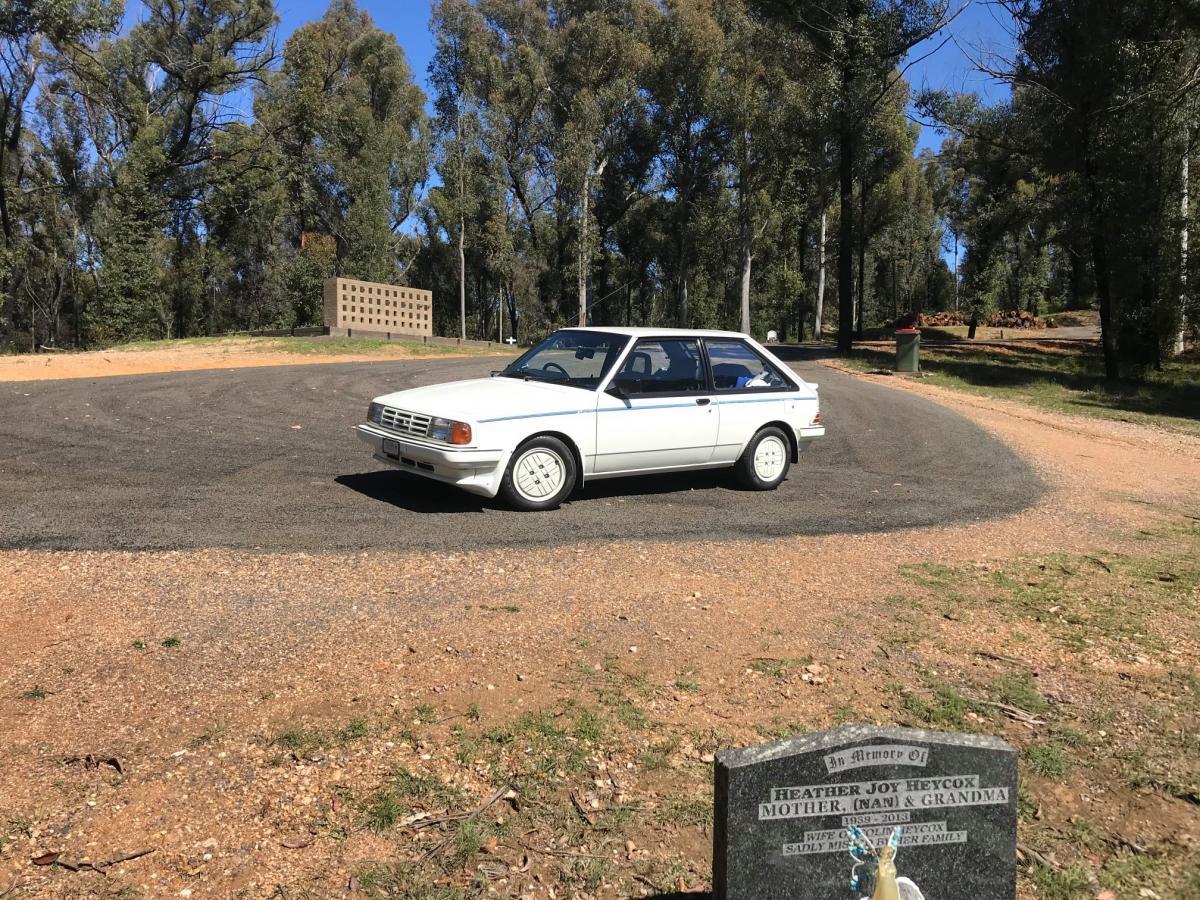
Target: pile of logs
[[942, 319]]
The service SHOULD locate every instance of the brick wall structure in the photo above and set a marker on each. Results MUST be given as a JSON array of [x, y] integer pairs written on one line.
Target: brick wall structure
[[367, 306]]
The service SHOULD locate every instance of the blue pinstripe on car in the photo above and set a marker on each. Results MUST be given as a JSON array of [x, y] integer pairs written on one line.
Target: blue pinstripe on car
[[573, 412]]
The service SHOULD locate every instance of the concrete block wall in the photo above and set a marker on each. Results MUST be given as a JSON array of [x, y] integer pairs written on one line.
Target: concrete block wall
[[370, 306]]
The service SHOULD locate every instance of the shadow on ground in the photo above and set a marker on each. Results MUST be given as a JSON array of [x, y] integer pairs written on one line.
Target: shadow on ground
[[421, 495]]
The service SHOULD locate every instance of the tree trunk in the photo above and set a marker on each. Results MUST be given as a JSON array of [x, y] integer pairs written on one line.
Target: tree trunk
[[845, 339], [862, 255], [956, 271], [1183, 258], [462, 278], [820, 311], [581, 274], [746, 238], [1099, 236]]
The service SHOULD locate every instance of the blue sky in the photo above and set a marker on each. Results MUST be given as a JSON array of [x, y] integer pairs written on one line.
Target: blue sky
[[978, 31]]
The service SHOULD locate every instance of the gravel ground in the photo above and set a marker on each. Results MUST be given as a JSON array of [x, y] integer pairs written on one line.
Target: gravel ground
[[188, 665], [266, 458]]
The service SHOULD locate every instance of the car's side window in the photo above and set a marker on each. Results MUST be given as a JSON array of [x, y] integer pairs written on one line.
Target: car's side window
[[663, 366], [736, 366]]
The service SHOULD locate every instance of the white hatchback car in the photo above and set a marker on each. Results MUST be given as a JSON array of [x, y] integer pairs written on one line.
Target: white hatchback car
[[592, 403]]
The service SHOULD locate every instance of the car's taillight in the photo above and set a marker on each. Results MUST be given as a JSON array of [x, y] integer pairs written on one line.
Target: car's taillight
[[816, 420], [460, 433]]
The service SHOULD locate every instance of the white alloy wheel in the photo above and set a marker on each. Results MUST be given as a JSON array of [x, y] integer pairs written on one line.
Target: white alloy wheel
[[538, 473], [764, 463], [770, 458]]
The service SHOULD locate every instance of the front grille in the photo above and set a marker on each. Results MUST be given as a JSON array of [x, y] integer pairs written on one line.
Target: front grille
[[405, 422]]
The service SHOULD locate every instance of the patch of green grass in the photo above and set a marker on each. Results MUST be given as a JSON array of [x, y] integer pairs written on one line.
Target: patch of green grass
[[425, 714], [138, 645], [338, 346], [685, 811], [425, 788], [352, 731], [474, 713], [1047, 760], [170, 642], [1019, 691], [655, 757], [687, 683], [1067, 380], [778, 668], [631, 716], [945, 707], [17, 827], [469, 839], [34, 693], [300, 740], [383, 810], [209, 734], [588, 726], [1068, 884], [401, 881]]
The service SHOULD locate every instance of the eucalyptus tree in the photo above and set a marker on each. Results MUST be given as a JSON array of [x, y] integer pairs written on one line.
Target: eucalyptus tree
[[455, 71], [600, 56], [688, 45], [32, 32], [861, 42], [351, 127]]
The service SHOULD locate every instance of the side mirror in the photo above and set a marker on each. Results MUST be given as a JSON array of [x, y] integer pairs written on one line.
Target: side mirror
[[615, 389]]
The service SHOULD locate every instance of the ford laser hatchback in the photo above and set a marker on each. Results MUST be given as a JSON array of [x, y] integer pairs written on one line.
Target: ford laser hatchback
[[589, 403]]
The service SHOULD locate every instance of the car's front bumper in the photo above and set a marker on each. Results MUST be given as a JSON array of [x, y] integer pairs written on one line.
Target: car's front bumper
[[474, 470]]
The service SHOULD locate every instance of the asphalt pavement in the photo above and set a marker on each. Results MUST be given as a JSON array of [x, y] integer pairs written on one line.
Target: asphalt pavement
[[266, 458]]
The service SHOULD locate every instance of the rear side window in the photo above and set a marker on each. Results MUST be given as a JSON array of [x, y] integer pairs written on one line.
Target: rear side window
[[738, 367], [667, 366]]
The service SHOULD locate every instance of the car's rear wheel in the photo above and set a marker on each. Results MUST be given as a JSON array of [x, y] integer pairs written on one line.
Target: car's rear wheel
[[540, 475], [764, 463]]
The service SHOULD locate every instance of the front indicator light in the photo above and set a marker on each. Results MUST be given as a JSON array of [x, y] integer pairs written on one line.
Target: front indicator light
[[450, 431]]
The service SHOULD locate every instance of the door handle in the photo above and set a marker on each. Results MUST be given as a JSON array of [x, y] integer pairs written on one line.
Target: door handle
[[702, 401]]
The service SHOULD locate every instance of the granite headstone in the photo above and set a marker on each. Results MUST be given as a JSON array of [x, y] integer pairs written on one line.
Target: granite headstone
[[782, 813]]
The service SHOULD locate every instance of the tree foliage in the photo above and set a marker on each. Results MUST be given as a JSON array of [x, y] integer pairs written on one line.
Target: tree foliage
[[665, 162]]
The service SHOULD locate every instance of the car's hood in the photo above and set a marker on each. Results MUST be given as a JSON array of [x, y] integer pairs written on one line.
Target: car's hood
[[481, 399]]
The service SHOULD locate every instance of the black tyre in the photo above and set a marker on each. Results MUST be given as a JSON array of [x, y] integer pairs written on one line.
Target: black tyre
[[540, 475], [763, 465]]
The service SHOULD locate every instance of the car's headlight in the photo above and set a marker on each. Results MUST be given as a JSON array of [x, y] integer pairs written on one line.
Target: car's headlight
[[375, 413], [450, 431]]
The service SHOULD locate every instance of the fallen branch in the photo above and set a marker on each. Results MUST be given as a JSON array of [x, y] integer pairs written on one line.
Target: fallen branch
[[1013, 712], [499, 793], [548, 851], [1030, 853], [1000, 657], [496, 796], [583, 812]]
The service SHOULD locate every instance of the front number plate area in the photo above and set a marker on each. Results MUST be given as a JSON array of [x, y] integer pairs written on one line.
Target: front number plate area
[[391, 449]]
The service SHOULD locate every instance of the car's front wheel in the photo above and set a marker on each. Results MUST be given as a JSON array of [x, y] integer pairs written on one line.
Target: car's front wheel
[[540, 475], [764, 463]]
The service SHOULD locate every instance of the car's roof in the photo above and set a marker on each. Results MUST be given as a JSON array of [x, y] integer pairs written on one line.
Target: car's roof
[[644, 332]]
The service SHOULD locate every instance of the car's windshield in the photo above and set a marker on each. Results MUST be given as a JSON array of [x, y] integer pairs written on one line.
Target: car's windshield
[[577, 358]]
